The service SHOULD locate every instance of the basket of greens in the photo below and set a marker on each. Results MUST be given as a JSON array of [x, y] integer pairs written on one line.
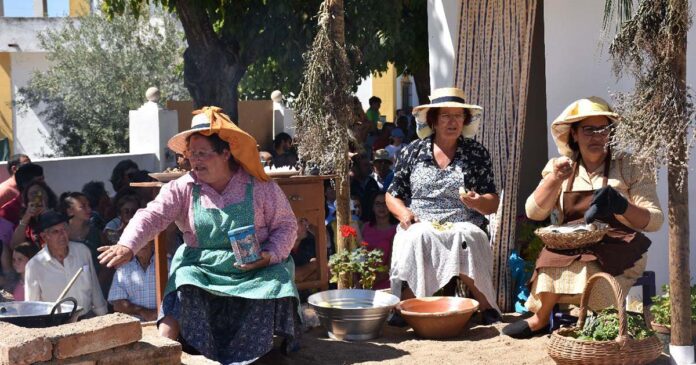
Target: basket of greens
[[612, 336]]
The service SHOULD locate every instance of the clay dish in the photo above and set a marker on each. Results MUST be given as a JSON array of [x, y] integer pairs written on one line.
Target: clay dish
[[437, 317]]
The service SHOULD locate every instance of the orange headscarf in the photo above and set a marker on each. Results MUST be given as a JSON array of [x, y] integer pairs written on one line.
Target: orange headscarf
[[242, 144]]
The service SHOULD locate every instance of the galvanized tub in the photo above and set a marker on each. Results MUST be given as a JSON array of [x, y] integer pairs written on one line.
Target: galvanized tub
[[353, 314]]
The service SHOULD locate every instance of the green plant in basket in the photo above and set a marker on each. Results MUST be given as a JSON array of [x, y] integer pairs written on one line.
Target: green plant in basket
[[660, 308], [604, 326], [361, 262]]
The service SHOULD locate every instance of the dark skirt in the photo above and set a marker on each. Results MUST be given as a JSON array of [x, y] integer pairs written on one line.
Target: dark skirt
[[231, 329]]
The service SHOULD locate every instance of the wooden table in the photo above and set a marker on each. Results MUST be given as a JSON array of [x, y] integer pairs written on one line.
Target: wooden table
[[306, 196]]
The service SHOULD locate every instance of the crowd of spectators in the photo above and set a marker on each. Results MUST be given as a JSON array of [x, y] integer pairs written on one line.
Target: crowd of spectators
[[46, 239]]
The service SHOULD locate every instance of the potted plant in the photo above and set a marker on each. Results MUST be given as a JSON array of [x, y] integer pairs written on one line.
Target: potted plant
[[360, 265], [660, 311]]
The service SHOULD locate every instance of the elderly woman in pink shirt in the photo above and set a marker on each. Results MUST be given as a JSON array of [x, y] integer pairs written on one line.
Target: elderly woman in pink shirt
[[221, 302]]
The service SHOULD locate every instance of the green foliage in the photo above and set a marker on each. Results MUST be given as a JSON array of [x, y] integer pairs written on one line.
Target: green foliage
[[661, 308], [364, 263], [99, 71], [529, 243], [270, 38], [605, 326]]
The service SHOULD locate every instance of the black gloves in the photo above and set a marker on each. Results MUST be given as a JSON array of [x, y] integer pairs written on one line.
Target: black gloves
[[605, 201]]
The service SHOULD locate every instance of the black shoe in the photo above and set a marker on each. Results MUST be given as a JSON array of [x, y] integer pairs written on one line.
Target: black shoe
[[396, 320], [520, 330], [490, 316]]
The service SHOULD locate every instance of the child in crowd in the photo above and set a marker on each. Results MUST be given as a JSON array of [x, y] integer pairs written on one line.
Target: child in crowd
[[379, 231], [396, 143], [22, 253]]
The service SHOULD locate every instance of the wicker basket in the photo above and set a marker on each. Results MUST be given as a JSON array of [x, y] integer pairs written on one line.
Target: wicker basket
[[571, 241], [623, 350]]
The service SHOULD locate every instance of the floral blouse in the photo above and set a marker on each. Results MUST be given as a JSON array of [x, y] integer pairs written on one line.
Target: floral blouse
[[419, 181]]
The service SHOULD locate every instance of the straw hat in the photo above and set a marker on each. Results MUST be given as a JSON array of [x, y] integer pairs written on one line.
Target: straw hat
[[209, 120], [447, 97], [576, 112]]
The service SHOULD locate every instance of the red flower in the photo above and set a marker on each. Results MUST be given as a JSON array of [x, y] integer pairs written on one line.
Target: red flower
[[348, 231], [364, 244]]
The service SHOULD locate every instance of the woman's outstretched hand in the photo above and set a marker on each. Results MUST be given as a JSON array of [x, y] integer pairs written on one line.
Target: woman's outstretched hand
[[115, 255], [264, 261]]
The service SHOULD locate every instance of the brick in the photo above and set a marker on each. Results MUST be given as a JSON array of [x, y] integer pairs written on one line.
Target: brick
[[93, 335], [150, 350], [19, 346]]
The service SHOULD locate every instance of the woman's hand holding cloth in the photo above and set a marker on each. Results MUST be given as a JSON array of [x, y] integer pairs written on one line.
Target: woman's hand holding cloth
[[606, 201]]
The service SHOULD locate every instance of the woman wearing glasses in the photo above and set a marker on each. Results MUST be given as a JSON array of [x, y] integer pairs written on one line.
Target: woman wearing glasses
[[589, 182], [225, 309], [442, 189]]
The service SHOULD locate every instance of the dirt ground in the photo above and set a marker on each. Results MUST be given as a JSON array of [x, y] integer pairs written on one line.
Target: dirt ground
[[476, 345]]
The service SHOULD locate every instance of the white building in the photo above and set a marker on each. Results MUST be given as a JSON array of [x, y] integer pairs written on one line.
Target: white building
[[20, 56]]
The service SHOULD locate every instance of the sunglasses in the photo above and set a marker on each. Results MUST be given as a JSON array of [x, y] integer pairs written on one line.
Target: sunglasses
[[590, 131]]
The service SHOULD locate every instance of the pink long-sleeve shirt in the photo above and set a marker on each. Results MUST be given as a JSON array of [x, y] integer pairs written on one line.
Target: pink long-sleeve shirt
[[275, 223]]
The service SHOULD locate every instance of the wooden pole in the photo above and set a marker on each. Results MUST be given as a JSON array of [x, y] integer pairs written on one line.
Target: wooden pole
[[161, 269], [678, 207], [337, 31]]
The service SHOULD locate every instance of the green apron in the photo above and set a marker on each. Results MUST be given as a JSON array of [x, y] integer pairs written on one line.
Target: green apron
[[210, 266]]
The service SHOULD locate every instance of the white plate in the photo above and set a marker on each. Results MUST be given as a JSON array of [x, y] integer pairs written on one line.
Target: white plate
[[167, 176], [282, 173]]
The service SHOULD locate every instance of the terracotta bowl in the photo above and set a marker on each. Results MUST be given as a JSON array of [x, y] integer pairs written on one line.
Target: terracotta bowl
[[437, 317]]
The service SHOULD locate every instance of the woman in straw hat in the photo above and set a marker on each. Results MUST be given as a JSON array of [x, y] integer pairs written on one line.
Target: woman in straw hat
[[588, 182], [227, 311], [442, 189]]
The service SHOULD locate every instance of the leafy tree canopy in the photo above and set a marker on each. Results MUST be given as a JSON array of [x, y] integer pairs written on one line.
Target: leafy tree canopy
[[99, 71], [256, 46]]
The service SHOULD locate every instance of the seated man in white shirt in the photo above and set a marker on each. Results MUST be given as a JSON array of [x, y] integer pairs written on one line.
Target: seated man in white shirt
[[133, 288], [50, 270]]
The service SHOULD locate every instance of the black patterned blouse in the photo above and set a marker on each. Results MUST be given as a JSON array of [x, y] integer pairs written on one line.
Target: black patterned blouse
[[433, 193]]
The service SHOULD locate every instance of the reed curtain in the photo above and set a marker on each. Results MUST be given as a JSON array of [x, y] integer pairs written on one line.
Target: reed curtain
[[495, 43]]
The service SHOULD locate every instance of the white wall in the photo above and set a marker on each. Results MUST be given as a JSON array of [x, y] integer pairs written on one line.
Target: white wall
[[29, 130], [23, 33], [577, 66], [71, 173], [364, 92], [443, 37]]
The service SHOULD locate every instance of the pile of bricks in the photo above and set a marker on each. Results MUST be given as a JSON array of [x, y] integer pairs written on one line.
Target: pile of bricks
[[112, 339]]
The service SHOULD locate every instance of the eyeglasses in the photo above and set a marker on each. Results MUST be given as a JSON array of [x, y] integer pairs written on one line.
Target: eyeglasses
[[198, 155], [448, 117], [590, 131]]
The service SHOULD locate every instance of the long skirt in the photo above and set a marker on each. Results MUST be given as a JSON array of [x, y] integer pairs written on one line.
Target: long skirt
[[570, 281], [231, 330], [427, 259]]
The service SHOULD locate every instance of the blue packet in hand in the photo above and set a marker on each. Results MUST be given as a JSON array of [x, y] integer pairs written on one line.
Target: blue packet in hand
[[244, 244]]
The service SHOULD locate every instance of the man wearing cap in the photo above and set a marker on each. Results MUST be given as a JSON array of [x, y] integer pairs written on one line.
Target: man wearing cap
[[381, 167], [49, 272], [396, 143]]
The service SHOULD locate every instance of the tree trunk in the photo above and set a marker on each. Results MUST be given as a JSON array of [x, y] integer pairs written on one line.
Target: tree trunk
[[337, 27], [678, 210], [422, 79], [212, 69]]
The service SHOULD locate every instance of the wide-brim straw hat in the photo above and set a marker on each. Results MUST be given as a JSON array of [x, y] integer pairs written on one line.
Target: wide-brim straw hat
[[575, 112], [209, 120], [447, 97]]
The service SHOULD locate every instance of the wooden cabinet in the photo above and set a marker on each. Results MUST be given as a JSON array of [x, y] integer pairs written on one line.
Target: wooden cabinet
[[306, 196]]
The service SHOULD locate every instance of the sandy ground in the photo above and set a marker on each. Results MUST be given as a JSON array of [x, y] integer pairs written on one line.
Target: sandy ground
[[476, 345]]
